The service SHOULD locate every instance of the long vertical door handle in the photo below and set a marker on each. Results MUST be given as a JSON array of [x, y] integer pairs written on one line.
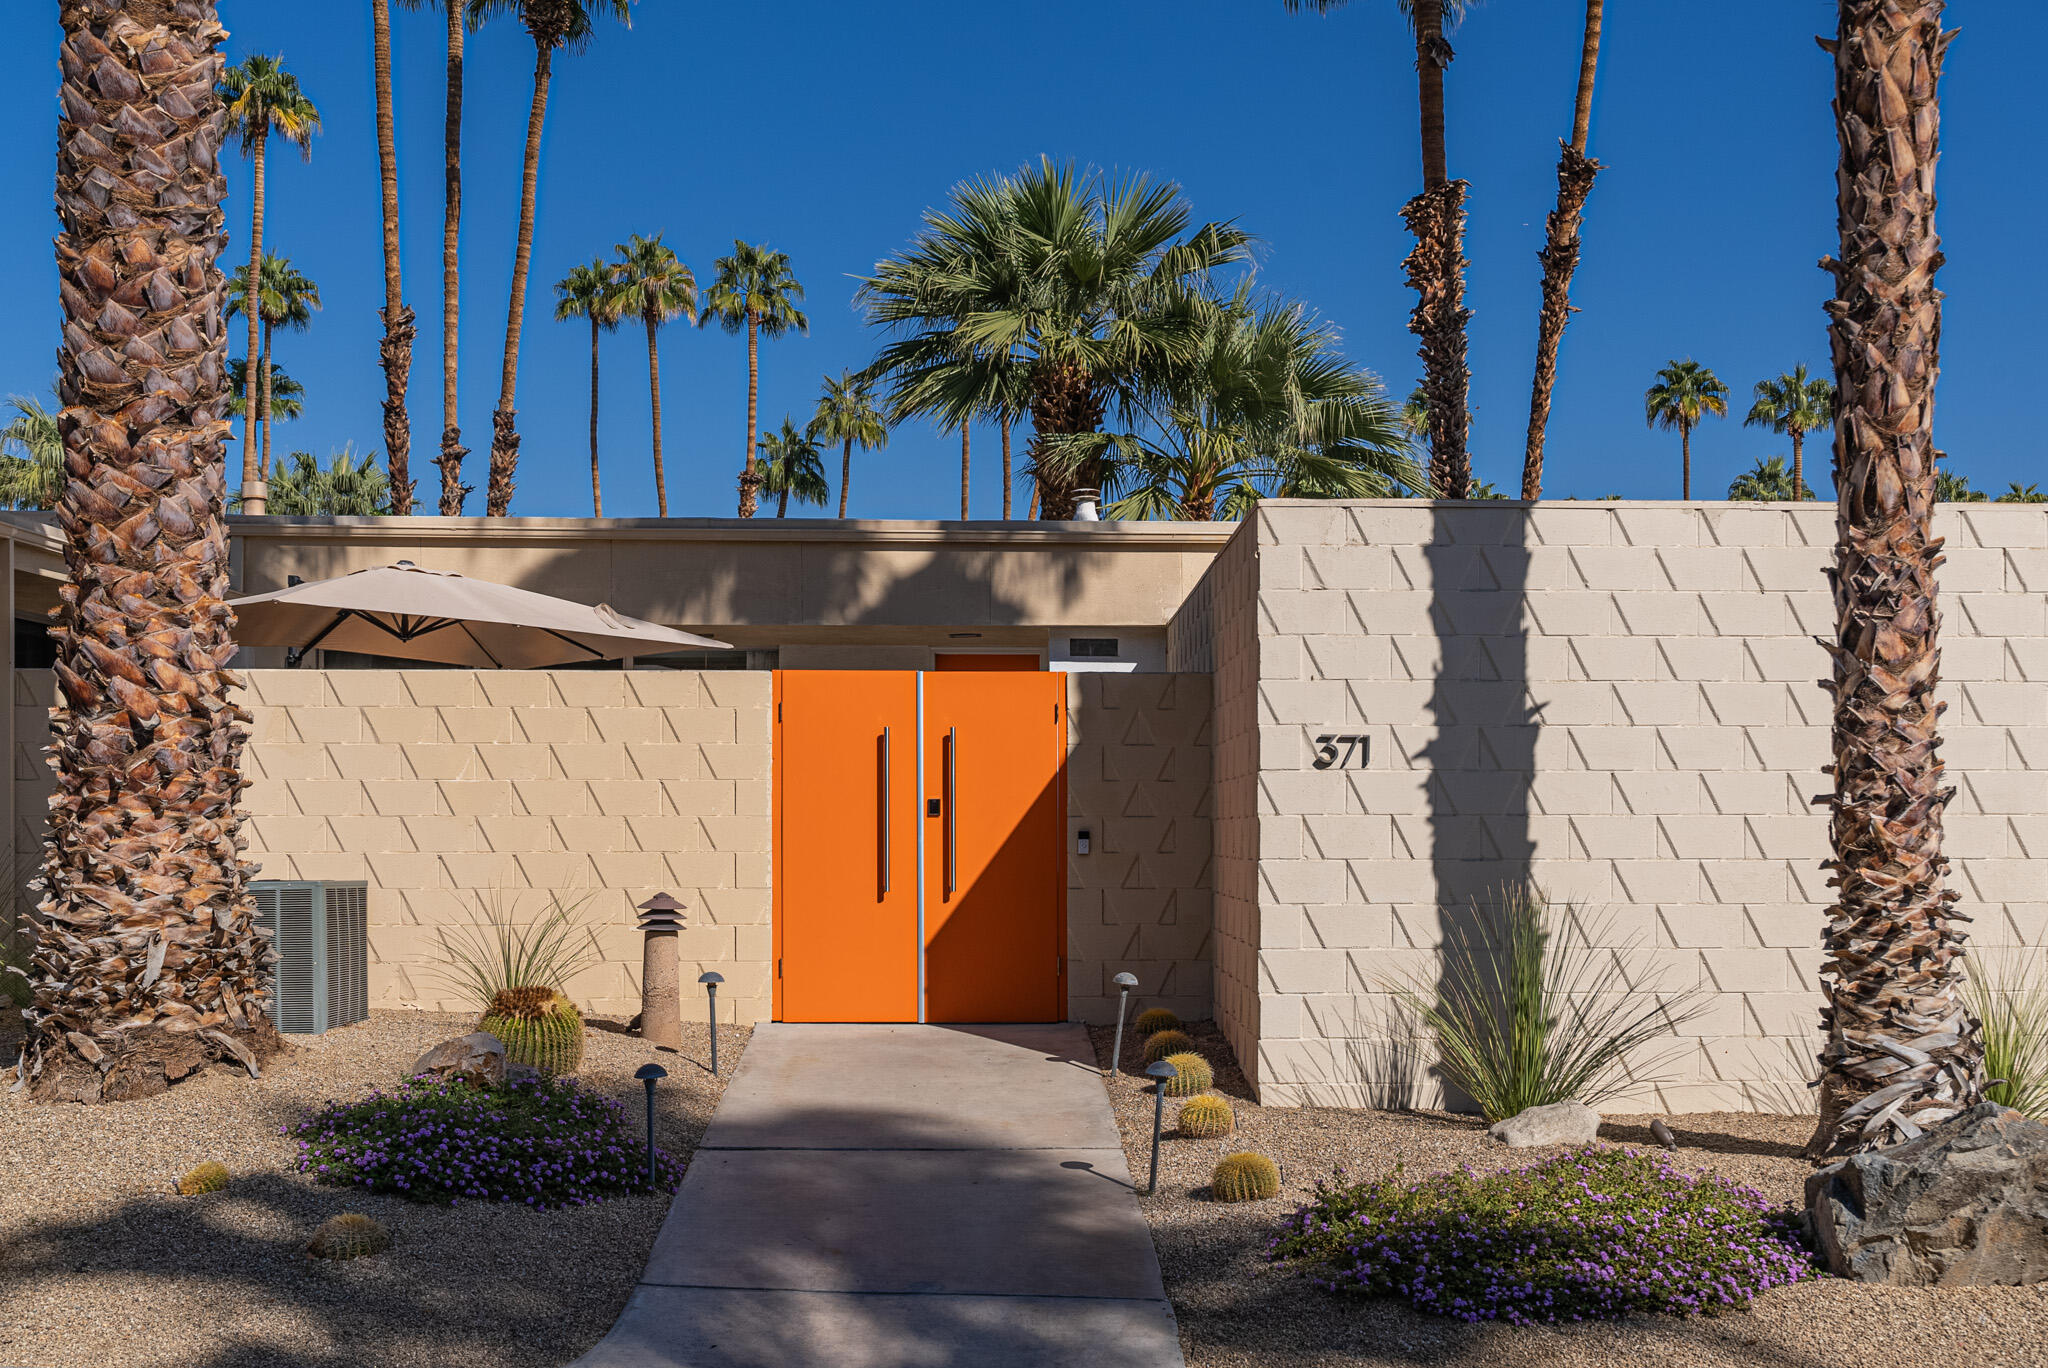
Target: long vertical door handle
[[952, 809], [886, 797]]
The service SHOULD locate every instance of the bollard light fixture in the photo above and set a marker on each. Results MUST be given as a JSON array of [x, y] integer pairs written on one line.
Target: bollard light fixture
[[1124, 982], [711, 978], [1160, 1072], [650, 1074], [661, 994]]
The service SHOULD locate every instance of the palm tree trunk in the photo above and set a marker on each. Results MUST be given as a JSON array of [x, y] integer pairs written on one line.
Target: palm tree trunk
[[1560, 254], [596, 490], [1063, 400], [965, 466], [1798, 461], [266, 398], [252, 473], [1685, 449], [1894, 939], [782, 503], [504, 433], [750, 478], [654, 397], [1436, 268], [845, 473], [147, 963], [1007, 476], [396, 351], [453, 490]]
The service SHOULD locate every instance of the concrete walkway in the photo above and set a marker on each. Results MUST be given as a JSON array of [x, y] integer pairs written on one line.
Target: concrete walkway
[[904, 1197]]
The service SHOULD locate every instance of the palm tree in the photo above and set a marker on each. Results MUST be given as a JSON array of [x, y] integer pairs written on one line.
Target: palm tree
[[31, 457], [1951, 488], [1436, 269], [453, 490], [553, 25], [847, 415], [396, 351], [654, 283], [349, 487], [1793, 406], [147, 962], [1902, 1049], [591, 292], [287, 396], [285, 299], [1685, 392], [753, 291], [263, 98], [1265, 405], [792, 465], [1768, 481], [2016, 492], [1052, 284], [1560, 254]]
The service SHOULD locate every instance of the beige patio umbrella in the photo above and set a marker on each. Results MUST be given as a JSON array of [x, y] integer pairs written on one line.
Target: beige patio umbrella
[[414, 614]]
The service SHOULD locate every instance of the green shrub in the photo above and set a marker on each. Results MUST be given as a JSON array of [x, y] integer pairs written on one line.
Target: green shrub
[[503, 952], [544, 1142], [1155, 1019], [1160, 1044], [349, 1236], [1244, 1177], [1595, 1233], [539, 1027], [1194, 1075], [2009, 998], [1206, 1117], [1528, 1008], [210, 1176]]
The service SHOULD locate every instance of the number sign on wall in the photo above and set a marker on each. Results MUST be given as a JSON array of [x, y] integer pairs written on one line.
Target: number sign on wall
[[1342, 752]]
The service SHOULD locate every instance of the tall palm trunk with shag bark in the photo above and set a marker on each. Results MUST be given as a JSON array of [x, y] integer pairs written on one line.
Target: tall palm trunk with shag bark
[[1007, 476], [1560, 254], [453, 490], [1064, 401], [966, 466], [504, 429], [1902, 1050], [147, 962], [1436, 268], [396, 350]]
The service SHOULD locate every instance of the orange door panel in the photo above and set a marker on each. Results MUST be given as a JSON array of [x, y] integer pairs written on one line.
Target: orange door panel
[[994, 873], [846, 943]]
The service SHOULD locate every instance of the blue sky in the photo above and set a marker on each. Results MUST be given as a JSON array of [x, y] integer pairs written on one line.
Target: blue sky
[[827, 128]]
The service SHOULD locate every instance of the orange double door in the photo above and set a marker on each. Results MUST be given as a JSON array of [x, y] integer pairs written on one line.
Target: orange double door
[[919, 864]]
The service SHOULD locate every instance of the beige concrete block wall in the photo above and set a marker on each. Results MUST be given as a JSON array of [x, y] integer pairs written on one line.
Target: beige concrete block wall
[[1138, 773], [1618, 702], [452, 792]]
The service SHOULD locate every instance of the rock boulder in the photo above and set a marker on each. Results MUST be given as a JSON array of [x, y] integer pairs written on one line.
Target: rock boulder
[[1559, 1123], [478, 1058], [1966, 1204]]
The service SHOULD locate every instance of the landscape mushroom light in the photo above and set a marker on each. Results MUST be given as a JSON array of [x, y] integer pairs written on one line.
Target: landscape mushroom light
[[711, 979], [661, 992], [1125, 982], [650, 1074], [1162, 1071]]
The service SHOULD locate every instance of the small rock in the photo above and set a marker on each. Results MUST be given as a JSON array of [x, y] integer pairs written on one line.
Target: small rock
[[1559, 1123], [1964, 1205], [477, 1058]]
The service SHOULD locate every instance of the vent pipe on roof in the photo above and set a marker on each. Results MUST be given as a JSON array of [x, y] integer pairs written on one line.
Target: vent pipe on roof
[[1085, 505]]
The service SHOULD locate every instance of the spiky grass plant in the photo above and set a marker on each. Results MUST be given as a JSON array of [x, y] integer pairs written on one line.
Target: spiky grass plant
[[1535, 1006], [1245, 1177], [506, 951], [1206, 1117], [1193, 1075], [1155, 1019], [2008, 995], [210, 1176], [1160, 1044]]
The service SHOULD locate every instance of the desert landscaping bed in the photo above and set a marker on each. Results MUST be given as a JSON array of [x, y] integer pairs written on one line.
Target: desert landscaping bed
[[102, 1267], [1237, 1310]]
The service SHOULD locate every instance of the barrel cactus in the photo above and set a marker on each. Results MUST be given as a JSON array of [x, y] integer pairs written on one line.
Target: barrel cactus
[[1245, 1178], [349, 1236], [210, 1176], [539, 1027], [1192, 1075], [1160, 1044], [1206, 1117], [1157, 1019]]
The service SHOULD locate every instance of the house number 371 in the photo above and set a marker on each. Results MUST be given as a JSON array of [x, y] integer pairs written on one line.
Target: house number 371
[[1342, 752]]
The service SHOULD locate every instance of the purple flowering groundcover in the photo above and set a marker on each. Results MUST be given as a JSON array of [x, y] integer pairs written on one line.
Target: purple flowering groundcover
[[1593, 1234], [541, 1142]]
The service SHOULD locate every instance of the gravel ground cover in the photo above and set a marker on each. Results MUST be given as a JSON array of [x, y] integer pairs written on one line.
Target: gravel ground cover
[[102, 1267], [1237, 1310]]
